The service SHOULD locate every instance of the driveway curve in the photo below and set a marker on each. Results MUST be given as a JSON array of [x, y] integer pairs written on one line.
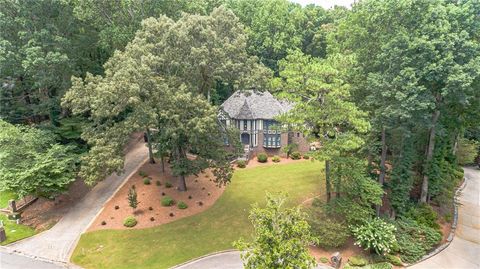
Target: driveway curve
[[57, 243], [464, 250], [221, 260]]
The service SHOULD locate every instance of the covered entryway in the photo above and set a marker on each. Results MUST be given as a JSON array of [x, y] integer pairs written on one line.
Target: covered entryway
[[245, 139]]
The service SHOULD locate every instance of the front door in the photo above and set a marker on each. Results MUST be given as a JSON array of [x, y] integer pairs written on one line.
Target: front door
[[245, 139]]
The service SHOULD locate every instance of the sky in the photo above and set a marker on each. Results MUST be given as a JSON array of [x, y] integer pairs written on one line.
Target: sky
[[325, 3]]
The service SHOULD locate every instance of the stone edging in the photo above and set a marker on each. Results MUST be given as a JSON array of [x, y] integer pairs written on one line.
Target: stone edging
[[452, 230], [204, 256]]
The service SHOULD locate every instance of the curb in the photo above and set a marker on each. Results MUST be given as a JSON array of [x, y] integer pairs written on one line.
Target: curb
[[39, 258], [451, 235], [203, 257]]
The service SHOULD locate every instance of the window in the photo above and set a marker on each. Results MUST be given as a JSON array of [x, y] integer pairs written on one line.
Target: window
[[271, 140], [245, 123]]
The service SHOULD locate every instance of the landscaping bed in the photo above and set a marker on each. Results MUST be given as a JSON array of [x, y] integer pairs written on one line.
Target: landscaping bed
[[209, 231], [201, 193]]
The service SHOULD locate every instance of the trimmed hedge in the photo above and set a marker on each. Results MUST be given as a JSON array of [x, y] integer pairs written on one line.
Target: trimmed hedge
[[262, 158], [130, 222]]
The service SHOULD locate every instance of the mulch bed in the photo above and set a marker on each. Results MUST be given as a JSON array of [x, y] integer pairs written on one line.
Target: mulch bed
[[200, 190]]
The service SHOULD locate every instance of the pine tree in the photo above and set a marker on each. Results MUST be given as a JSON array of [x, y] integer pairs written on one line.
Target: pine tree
[[132, 198]]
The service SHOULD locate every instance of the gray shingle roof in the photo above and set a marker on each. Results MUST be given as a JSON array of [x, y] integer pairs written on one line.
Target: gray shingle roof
[[247, 105]]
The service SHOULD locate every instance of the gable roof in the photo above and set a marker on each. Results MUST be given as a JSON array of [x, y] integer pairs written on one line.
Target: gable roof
[[252, 104]]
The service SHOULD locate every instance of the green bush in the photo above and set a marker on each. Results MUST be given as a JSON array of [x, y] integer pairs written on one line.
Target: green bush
[[146, 181], [414, 241], [130, 222], [167, 201], [329, 233], [382, 265], [306, 157], [168, 185], [424, 215], [143, 174], [357, 261], [394, 260], [275, 159], [182, 205], [296, 155], [324, 260], [241, 164], [158, 183], [262, 158], [376, 235]]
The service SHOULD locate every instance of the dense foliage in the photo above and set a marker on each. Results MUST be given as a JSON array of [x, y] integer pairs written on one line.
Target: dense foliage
[[375, 235], [280, 239]]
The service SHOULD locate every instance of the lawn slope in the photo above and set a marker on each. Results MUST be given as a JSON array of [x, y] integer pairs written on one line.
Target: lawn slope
[[214, 229]]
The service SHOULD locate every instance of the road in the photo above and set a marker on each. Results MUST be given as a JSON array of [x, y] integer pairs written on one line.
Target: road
[[57, 243], [464, 250], [223, 260], [9, 260]]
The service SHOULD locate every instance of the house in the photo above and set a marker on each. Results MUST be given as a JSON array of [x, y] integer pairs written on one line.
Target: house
[[253, 113]]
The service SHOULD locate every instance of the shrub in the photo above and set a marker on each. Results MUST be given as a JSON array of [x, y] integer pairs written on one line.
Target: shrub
[[241, 164], [329, 233], [143, 174], [262, 158], [150, 208], [376, 235], [424, 215], [171, 214], [152, 219], [146, 181], [167, 201], [117, 207], [168, 185], [382, 265], [158, 183], [182, 205], [448, 217], [189, 197], [163, 194], [414, 241], [104, 222], [323, 259], [394, 260], [296, 155], [357, 261], [275, 159], [200, 203], [306, 157], [130, 222]]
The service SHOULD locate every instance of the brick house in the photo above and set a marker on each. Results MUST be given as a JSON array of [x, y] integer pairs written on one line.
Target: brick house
[[253, 113]]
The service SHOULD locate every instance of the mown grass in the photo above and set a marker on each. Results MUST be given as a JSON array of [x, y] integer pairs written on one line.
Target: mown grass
[[4, 197], [212, 230], [15, 231]]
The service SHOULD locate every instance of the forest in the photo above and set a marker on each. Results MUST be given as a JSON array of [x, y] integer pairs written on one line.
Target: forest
[[390, 88]]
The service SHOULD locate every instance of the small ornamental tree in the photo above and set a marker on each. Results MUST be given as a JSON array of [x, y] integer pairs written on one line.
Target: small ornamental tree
[[132, 198], [281, 237]]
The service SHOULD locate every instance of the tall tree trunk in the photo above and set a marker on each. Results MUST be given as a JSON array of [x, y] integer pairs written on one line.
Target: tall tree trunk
[[163, 164], [455, 144], [429, 156], [383, 169], [182, 185], [328, 186], [149, 144]]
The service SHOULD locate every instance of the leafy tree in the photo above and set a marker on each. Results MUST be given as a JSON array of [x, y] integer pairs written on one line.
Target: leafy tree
[[132, 198], [323, 109], [467, 151], [32, 163], [280, 239], [409, 71]]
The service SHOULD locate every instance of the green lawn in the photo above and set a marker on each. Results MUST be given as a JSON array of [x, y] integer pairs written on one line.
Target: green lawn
[[15, 231], [214, 229], [4, 197]]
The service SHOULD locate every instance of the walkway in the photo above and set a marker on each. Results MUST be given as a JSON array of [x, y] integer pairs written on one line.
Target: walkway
[[57, 243], [464, 251], [223, 260]]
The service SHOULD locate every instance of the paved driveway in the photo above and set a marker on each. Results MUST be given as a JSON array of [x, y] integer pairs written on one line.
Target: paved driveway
[[464, 251], [57, 243], [10, 260], [224, 260]]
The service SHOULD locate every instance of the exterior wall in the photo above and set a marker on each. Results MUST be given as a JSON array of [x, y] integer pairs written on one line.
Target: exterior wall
[[301, 141]]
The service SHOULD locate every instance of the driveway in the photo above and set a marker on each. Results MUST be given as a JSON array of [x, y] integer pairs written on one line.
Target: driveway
[[464, 251], [57, 243], [223, 260], [11, 260]]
